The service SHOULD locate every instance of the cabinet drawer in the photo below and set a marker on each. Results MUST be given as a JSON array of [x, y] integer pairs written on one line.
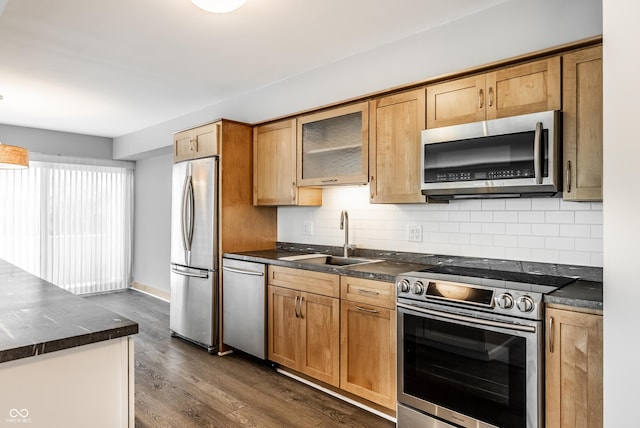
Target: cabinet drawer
[[369, 291], [325, 284]]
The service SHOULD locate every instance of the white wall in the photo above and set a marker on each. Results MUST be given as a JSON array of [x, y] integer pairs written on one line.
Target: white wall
[[621, 212], [152, 237], [57, 143], [512, 28], [533, 229]]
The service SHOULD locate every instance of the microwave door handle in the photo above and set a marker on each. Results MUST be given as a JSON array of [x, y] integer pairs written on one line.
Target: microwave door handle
[[537, 152]]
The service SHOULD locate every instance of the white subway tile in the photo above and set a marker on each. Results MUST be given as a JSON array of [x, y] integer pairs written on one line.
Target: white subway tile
[[470, 227], [459, 238], [493, 204], [546, 256], [597, 259], [518, 229], [574, 206], [470, 204], [505, 241], [591, 244], [597, 231], [505, 217], [451, 227], [481, 216], [563, 217], [545, 229], [493, 228], [520, 204], [438, 216], [589, 217], [559, 243], [519, 254], [494, 252], [596, 206], [581, 258], [531, 216], [437, 237], [530, 242], [459, 216], [575, 230], [480, 239], [545, 204]]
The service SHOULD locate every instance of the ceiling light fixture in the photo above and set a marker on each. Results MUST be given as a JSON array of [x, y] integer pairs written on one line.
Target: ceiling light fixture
[[219, 6], [13, 157]]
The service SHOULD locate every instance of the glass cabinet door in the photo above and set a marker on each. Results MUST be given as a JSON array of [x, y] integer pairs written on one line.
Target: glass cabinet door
[[333, 146]]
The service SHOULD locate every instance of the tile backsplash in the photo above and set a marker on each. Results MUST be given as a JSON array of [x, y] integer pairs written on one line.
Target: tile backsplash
[[548, 230]]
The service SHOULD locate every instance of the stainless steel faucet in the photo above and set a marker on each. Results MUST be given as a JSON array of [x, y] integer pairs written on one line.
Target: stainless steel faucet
[[344, 224]]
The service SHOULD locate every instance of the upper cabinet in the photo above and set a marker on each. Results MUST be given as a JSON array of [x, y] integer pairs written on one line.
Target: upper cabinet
[[333, 146], [196, 143], [510, 91], [394, 157], [582, 124], [274, 167]]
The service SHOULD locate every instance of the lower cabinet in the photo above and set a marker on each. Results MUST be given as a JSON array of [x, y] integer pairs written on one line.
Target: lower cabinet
[[336, 329], [368, 340], [573, 369], [304, 327]]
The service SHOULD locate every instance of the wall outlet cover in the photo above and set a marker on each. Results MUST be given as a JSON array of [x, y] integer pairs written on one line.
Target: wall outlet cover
[[307, 228], [414, 233]]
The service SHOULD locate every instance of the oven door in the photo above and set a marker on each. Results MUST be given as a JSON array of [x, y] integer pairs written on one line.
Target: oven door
[[469, 371]]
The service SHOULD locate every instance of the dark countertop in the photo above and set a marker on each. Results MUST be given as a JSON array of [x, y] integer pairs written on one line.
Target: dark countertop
[[585, 293], [36, 317]]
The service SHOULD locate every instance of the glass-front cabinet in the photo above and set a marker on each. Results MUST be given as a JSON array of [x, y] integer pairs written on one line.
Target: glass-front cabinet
[[333, 146]]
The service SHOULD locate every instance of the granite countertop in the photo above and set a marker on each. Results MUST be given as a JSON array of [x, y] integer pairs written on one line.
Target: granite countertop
[[36, 317], [584, 293]]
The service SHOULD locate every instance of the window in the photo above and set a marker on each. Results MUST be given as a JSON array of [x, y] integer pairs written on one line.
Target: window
[[69, 221]]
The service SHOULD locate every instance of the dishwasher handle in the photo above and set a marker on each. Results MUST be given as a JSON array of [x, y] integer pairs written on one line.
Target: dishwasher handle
[[242, 271]]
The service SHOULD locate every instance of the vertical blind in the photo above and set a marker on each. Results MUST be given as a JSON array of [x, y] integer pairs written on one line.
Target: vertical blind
[[69, 221]]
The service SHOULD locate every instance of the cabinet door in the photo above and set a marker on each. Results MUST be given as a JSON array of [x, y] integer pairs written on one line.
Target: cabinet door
[[522, 89], [320, 319], [274, 167], [455, 102], [205, 140], [182, 146], [284, 334], [394, 157], [368, 352], [573, 369], [333, 146], [582, 124]]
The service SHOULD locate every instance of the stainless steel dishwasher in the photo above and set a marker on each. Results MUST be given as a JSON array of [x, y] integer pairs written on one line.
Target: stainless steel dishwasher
[[244, 306]]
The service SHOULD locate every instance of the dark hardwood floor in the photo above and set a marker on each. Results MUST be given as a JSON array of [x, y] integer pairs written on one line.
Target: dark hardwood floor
[[181, 385]]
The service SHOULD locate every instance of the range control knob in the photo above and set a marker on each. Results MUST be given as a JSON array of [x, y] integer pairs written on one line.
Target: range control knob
[[404, 286], [417, 288], [505, 301], [525, 304]]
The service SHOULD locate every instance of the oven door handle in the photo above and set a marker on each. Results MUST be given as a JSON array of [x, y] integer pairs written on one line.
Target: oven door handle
[[480, 321]]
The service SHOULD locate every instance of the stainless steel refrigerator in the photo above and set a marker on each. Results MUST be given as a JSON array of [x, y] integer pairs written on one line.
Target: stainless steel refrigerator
[[193, 313]]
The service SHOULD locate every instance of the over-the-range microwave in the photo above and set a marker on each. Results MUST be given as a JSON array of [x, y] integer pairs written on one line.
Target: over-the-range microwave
[[509, 157]]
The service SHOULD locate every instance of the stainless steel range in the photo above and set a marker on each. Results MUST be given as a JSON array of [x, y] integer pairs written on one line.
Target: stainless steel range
[[470, 347]]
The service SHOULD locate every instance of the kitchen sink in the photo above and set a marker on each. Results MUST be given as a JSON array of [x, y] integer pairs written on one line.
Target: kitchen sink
[[324, 259]]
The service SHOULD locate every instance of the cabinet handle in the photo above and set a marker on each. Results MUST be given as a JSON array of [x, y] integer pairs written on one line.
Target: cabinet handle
[[569, 176], [371, 311], [329, 180], [490, 96], [301, 299], [370, 292], [295, 306], [551, 335], [293, 191], [480, 98], [372, 186]]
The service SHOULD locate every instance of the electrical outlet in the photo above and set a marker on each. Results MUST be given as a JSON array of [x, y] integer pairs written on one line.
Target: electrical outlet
[[414, 233], [307, 228]]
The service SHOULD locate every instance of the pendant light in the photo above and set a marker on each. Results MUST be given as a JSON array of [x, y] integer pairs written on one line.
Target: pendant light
[[13, 157], [219, 6]]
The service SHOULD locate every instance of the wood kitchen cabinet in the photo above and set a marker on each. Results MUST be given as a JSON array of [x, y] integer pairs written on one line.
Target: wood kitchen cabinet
[[573, 369], [304, 322], [526, 88], [196, 143], [333, 146], [582, 124], [394, 150], [368, 340], [274, 167]]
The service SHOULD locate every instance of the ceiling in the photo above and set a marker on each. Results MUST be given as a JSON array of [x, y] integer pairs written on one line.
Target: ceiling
[[112, 68]]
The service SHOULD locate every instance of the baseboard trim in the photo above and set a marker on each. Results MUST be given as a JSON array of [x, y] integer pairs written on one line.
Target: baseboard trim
[[153, 292], [337, 395]]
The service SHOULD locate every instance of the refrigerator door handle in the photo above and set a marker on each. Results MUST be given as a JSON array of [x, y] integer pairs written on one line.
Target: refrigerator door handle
[[187, 213], [200, 274]]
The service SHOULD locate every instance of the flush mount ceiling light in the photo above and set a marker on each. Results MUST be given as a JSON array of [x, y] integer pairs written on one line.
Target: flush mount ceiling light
[[219, 6], [13, 157]]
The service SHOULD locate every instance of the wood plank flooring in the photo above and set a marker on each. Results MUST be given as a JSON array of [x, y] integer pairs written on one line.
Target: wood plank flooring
[[181, 385]]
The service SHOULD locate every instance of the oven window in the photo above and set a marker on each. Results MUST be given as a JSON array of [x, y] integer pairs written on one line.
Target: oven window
[[472, 371], [486, 158]]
